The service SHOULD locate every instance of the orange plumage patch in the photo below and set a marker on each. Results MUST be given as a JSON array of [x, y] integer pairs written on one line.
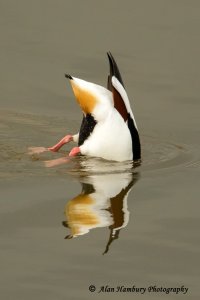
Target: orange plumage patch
[[86, 100], [79, 213]]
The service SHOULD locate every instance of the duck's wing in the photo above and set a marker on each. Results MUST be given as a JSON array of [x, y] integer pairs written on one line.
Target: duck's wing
[[115, 75], [121, 103]]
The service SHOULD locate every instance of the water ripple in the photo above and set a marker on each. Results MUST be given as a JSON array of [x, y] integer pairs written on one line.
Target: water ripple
[[21, 131]]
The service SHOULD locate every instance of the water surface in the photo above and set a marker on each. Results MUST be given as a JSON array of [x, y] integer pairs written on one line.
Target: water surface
[[124, 225]]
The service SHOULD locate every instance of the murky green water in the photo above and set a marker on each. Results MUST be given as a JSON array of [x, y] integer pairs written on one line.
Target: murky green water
[[131, 226]]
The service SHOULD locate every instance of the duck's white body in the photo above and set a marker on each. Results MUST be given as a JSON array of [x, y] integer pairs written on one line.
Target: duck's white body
[[110, 139], [108, 129]]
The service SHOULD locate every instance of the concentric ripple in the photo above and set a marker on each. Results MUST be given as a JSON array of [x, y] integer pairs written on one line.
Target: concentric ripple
[[21, 131], [159, 154]]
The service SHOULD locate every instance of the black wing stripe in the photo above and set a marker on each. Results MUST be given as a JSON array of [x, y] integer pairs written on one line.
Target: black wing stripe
[[136, 147], [114, 70], [87, 126]]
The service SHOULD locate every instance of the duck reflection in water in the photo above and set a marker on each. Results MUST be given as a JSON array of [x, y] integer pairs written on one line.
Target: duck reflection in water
[[102, 203]]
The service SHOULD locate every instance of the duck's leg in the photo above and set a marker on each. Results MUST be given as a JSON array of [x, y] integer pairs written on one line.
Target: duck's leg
[[66, 139], [62, 160]]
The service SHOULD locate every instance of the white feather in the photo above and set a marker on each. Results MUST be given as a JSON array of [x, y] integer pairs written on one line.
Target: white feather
[[110, 139]]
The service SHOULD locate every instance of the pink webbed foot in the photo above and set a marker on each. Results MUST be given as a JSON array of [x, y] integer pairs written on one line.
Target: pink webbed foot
[[75, 151], [63, 141]]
